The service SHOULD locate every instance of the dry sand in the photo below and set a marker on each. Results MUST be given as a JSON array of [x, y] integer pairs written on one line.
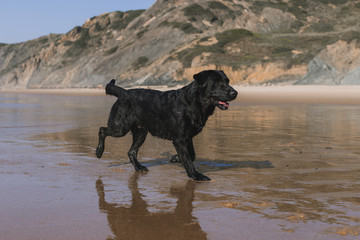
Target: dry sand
[[315, 94], [300, 94]]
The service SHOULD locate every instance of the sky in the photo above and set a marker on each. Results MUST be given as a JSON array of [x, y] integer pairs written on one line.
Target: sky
[[22, 20]]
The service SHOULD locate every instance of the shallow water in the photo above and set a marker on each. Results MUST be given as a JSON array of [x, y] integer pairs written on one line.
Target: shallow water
[[279, 171]]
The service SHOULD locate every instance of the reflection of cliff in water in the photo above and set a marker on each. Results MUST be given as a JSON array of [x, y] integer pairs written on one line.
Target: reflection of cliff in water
[[136, 222], [240, 134]]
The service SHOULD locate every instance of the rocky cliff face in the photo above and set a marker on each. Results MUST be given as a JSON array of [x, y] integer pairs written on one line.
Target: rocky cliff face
[[254, 42], [337, 64]]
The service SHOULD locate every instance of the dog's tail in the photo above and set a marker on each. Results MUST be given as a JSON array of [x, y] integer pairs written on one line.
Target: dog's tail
[[112, 89]]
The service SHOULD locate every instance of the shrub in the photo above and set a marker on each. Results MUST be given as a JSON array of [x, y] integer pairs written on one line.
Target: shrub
[[281, 50], [232, 35], [141, 33], [187, 28], [217, 5], [67, 43], [195, 11], [351, 36], [140, 62], [44, 40], [186, 56], [98, 28], [322, 27], [79, 45], [125, 19], [111, 50], [258, 6], [335, 2]]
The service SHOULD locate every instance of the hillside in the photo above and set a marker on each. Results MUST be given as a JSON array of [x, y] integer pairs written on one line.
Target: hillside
[[254, 42]]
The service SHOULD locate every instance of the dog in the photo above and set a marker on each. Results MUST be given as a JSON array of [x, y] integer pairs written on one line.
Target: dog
[[175, 115]]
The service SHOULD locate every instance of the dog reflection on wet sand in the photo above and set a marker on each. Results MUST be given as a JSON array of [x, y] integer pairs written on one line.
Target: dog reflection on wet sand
[[136, 222]]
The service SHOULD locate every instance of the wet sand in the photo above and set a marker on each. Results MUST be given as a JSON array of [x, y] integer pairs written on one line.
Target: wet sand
[[284, 163]]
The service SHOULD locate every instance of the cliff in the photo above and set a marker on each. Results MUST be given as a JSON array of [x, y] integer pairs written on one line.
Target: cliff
[[254, 42]]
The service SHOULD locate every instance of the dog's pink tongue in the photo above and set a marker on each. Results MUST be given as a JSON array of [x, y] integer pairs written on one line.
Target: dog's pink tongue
[[224, 103]]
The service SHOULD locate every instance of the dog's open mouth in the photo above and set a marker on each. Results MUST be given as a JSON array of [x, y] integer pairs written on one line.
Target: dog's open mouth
[[221, 104]]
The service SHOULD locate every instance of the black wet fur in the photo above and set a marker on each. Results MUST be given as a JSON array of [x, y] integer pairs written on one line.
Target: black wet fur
[[176, 115]]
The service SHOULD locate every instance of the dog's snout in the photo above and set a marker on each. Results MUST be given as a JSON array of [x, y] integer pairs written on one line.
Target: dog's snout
[[233, 93]]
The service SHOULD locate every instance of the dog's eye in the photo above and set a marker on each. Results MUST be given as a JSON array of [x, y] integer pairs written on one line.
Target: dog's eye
[[225, 82]]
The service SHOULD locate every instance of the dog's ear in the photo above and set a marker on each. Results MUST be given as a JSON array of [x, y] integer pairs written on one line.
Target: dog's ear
[[201, 77]]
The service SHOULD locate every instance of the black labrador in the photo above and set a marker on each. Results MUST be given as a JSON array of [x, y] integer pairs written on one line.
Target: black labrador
[[176, 115]]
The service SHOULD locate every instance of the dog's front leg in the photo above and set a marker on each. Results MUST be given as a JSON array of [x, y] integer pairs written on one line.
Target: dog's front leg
[[176, 158], [185, 150]]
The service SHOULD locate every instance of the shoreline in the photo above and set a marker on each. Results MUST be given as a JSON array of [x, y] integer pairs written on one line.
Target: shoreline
[[289, 94], [305, 156]]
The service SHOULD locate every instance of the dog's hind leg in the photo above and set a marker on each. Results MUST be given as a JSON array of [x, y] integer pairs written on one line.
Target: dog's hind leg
[[185, 150], [139, 136], [103, 133]]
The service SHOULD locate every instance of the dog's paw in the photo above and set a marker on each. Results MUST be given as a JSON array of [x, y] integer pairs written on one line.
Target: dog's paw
[[175, 159], [99, 151], [141, 168], [200, 177]]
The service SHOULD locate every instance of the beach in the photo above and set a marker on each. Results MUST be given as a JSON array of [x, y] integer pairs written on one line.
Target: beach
[[284, 164], [316, 94], [302, 94]]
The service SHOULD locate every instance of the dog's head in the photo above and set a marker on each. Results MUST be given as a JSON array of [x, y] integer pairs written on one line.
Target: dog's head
[[214, 87]]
